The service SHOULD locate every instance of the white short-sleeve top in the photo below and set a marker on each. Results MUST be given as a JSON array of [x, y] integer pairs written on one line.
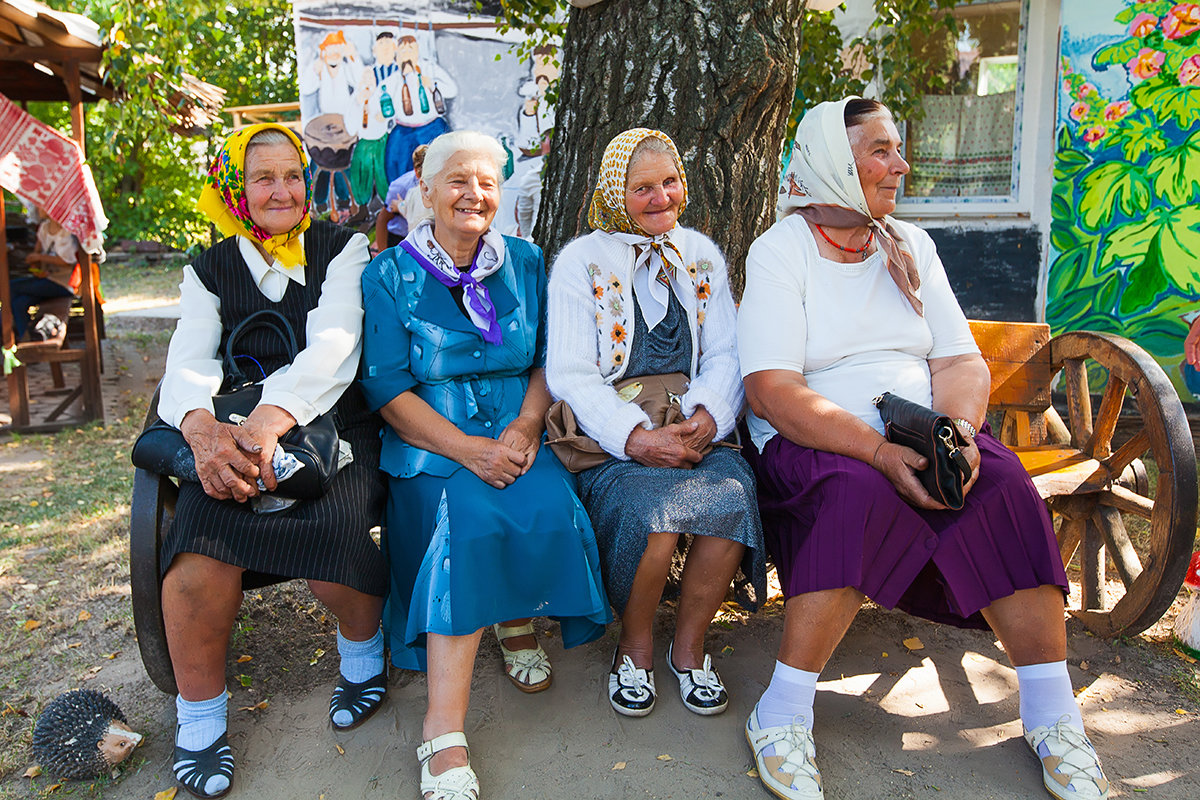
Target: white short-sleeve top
[[846, 327]]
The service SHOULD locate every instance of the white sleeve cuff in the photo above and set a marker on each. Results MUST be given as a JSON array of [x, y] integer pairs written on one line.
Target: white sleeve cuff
[[303, 411], [618, 427], [721, 412]]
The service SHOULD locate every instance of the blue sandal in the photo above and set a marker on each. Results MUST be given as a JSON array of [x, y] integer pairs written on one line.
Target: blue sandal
[[194, 768], [360, 699]]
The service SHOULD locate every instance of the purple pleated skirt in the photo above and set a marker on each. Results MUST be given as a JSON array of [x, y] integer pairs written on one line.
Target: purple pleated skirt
[[831, 521]]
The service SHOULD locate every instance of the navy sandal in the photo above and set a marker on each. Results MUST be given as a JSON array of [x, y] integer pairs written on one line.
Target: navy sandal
[[193, 768], [360, 699]]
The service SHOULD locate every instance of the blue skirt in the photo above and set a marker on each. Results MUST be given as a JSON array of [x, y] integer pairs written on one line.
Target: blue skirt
[[464, 555], [831, 521]]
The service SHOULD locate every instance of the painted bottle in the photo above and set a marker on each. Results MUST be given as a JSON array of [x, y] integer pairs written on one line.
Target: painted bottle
[[385, 103]]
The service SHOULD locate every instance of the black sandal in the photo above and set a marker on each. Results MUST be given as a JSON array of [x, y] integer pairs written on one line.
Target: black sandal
[[360, 699], [193, 768]]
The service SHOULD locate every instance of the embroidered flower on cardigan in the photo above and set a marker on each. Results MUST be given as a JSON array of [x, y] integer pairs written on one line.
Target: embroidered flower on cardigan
[[597, 290], [618, 357], [618, 332], [703, 290], [614, 283]]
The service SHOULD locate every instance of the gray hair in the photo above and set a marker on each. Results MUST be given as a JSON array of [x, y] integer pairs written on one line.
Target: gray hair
[[269, 136], [447, 145], [651, 144]]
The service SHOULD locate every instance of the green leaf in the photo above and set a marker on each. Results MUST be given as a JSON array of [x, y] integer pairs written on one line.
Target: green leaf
[[1170, 102], [1119, 53], [1144, 282], [1110, 187], [1127, 244], [1068, 162], [1139, 135], [1176, 171], [1180, 243]]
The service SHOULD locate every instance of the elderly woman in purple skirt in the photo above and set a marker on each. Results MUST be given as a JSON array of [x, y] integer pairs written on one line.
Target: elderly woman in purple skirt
[[843, 303]]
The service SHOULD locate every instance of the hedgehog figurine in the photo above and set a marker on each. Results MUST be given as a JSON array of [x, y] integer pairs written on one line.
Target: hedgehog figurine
[[82, 734]]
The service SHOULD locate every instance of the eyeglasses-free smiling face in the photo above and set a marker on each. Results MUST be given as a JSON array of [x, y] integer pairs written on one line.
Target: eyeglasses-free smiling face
[[876, 147], [464, 196], [653, 192], [274, 187]]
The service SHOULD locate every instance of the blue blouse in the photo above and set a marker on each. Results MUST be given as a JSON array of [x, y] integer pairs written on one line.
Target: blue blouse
[[416, 338]]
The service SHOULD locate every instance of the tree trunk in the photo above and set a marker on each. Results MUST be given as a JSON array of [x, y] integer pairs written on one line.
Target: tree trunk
[[716, 75]]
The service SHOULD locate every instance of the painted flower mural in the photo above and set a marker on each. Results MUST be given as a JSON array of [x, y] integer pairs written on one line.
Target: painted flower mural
[[1125, 235]]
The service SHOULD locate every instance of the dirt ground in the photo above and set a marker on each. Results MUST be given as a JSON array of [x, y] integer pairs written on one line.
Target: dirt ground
[[892, 722]]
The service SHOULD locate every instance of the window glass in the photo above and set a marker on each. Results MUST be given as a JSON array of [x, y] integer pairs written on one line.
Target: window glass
[[963, 146]]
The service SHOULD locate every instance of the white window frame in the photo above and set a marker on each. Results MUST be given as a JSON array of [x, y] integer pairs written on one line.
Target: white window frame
[[1037, 75]]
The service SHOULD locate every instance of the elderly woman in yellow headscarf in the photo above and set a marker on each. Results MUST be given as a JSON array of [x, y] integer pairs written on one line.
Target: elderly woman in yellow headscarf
[[275, 257], [642, 296]]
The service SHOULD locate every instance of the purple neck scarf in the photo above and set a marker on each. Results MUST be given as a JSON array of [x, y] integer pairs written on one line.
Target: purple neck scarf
[[478, 299]]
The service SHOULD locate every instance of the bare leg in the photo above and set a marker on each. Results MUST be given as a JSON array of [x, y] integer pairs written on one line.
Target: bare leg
[[200, 598], [1030, 625], [357, 613], [711, 563], [814, 624], [637, 623], [451, 662], [527, 642]]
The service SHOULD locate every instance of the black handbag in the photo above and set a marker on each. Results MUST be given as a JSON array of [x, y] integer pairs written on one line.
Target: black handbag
[[161, 448], [934, 436]]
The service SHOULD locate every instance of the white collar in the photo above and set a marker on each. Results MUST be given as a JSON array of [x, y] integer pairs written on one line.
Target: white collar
[[260, 269]]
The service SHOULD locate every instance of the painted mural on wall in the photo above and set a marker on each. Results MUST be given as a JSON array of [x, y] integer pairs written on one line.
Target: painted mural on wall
[[1125, 236], [378, 79]]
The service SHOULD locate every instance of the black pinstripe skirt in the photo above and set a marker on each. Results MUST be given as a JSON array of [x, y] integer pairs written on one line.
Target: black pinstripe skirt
[[327, 539]]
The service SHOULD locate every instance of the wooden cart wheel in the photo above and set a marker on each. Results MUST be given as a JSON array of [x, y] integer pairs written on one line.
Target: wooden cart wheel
[[1094, 515], [152, 508]]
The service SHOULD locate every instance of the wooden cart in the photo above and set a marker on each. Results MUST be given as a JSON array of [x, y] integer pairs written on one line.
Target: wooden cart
[[1094, 489]]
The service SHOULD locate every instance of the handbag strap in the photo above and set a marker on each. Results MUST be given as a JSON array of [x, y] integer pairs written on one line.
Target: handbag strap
[[267, 318]]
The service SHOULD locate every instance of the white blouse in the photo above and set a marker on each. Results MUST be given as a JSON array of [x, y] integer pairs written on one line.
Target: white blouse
[[846, 327], [306, 388]]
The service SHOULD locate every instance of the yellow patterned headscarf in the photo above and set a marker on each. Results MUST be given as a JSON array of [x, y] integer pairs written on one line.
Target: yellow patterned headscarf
[[607, 212], [223, 198]]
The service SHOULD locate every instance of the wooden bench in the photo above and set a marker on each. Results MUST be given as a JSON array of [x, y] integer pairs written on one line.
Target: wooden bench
[[1094, 481], [1090, 487]]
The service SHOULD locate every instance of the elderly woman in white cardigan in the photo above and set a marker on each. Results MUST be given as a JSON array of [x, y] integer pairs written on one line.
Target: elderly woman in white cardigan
[[642, 296]]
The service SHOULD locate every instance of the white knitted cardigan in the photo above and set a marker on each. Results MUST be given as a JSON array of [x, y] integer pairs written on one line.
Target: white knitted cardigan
[[590, 330]]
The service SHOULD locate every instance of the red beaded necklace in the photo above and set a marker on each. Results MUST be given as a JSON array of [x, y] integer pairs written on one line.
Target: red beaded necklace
[[859, 250]]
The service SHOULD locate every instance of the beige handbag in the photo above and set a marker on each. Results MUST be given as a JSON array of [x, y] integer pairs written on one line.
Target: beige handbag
[[658, 395]]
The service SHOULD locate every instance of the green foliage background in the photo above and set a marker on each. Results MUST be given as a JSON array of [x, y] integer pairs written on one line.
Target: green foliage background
[[1125, 234], [149, 177]]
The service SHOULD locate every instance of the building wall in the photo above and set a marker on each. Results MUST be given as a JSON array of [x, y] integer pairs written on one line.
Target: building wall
[[1125, 234]]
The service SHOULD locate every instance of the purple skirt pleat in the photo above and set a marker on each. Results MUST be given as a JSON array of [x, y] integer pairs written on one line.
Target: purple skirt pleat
[[831, 521]]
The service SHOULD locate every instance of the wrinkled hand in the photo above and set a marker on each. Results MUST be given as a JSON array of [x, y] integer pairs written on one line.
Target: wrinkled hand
[[706, 430], [496, 463], [259, 434], [223, 468], [899, 464], [1191, 344], [523, 434], [664, 447]]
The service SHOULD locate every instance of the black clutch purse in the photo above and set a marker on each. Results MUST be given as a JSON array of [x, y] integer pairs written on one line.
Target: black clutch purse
[[161, 448], [934, 436]]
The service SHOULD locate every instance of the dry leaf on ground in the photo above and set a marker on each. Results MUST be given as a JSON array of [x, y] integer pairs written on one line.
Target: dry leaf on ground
[[617, 766], [32, 772], [31, 625], [84, 616], [166, 794], [243, 659], [341, 752], [913, 643], [753, 773], [907, 772], [259, 706], [664, 757]]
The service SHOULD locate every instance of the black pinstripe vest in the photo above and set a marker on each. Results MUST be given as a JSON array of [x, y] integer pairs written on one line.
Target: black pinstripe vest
[[224, 273]]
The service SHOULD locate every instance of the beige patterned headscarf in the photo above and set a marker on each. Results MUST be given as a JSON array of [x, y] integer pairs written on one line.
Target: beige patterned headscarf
[[821, 184], [658, 258]]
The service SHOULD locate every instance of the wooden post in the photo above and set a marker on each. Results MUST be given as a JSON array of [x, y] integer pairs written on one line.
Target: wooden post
[[75, 97], [18, 389], [89, 367]]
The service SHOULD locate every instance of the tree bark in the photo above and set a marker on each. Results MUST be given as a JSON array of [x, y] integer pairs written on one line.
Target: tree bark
[[716, 75]]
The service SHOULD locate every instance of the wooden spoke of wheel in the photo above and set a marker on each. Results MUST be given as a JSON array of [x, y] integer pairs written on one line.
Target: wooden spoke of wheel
[[1093, 529]]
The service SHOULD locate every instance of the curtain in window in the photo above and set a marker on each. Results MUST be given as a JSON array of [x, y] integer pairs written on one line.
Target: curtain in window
[[963, 146]]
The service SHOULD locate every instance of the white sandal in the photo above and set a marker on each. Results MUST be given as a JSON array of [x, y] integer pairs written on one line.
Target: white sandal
[[529, 670], [456, 783]]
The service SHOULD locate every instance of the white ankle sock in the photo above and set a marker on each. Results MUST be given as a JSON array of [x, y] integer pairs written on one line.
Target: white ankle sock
[[1046, 696], [201, 722], [361, 661], [790, 695]]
